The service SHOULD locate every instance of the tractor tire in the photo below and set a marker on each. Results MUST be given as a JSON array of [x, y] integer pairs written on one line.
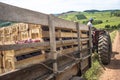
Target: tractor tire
[[104, 48]]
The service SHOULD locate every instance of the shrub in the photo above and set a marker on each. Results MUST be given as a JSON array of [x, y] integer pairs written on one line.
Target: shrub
[[94, 22], [80, 16], [118, 26], [107, 26], [97, 22]]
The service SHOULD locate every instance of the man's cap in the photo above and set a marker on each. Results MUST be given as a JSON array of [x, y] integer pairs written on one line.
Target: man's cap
[[91, 19]]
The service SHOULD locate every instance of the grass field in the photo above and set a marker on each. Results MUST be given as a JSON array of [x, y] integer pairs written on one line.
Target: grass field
[[104, 16]]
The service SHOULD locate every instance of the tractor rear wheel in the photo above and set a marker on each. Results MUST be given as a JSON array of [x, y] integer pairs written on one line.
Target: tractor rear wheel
[[104, 48]]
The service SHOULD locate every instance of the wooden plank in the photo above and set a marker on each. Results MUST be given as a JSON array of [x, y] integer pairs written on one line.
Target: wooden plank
[[21, 15], [53, 41], [22, 46], [84, 47], [61, 34], [85, 53], [45, 34], [84, 42], [63, 23], [86, 39], [66, 42], [78, 34], [90, 46], [37, 44], [66, 34], [69, 50], [84, 63], [29, 61], [84, 34], [83, 27], [28, 50]]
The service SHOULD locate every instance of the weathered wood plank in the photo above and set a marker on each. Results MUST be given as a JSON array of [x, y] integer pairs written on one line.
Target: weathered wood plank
[[84, 34], [53, 42], [29, 61], [83, 27], [28, 50], [69, 50], [84, 63], [21, 15], [22, 46], [63, 23], [78, 34], [37, 44]]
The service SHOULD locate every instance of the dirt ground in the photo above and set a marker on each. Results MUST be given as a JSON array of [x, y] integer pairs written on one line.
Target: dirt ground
[[112, 71]]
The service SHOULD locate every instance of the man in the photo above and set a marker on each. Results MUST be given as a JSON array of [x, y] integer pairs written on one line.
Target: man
[[90, 22]]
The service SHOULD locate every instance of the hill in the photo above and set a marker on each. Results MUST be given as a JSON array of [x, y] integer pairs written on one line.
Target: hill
[[101, 17]]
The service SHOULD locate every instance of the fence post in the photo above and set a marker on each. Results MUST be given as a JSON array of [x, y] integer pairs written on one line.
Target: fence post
[[53, 41], [90, 45], [78, 35]]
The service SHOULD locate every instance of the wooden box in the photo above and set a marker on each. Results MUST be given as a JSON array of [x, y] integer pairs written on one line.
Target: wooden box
[[35, 33], [14, 38], [1, 40], [1, 63], [2, 31], [7, 39], [7, 30], [14, 28], [23, 26], [24, 35]]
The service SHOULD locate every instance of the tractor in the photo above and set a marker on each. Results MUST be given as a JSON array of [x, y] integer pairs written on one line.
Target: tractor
[[102, 45]]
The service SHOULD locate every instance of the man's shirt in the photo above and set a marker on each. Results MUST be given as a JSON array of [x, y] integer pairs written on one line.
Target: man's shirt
[[89, 24]]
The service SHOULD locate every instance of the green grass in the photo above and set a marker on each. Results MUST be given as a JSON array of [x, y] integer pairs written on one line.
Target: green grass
[[94, 72], [104, 16], [113, 34]]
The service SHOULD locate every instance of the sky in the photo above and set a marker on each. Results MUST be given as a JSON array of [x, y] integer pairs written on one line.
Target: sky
[[59, 6]]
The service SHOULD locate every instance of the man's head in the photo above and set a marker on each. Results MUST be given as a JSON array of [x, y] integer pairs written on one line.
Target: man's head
[[91, 20]]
